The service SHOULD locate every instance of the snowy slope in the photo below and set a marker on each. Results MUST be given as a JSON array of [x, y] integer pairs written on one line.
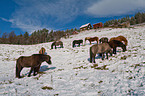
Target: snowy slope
[[71, 74]]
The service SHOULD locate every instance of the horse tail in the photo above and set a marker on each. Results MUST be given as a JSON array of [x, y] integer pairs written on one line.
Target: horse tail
[[85, 40], [91, 54], [97, 40], [17, 69], [73, 44]]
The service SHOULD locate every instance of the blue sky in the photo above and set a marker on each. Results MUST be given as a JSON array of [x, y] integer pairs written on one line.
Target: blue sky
[[29, 15]]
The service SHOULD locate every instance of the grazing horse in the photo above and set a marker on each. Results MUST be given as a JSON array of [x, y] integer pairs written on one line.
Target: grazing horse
[[90, 39], [32, 61], [77, 42], [120, 38], [99, 49], [57, 43], [115, 43], [103, 40]]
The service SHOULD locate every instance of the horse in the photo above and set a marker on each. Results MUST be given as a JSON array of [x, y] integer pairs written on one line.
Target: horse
[[120, 38], [32, 61], [77, 42], [90, 39], [57, 43], [115, 43], [99, 49], [42, 51], [103, 40]]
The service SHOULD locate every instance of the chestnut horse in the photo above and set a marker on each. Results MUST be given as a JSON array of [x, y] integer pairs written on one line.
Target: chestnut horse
[[42, 51], [90, 39], [57, 43], [115, 43], [99, 49], [120, 38], [32, 61]]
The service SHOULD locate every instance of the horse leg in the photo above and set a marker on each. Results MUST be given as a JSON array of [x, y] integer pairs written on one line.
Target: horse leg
[[18, 71], [107, 55], [55, 46], [110, 52], [62, 46], [32, 68], [90, 42], [91, 55], [97, 41], [94, 58], [114, 50], [79, 44], [73, 44], [36, 69], [102, 56]]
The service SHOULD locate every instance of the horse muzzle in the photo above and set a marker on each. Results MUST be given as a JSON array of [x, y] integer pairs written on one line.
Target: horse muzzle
[[49, 62]]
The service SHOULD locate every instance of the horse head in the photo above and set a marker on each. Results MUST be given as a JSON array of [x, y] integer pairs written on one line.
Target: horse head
[[47, 58], [124, 48]]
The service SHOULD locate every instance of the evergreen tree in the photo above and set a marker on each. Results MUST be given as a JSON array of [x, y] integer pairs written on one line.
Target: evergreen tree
[[132, 21]]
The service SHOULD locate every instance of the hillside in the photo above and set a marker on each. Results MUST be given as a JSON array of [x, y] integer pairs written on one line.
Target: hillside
[[71, 74]]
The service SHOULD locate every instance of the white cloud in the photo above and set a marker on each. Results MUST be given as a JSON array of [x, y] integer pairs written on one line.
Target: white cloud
[[115, 7], [11, 20], [37, 14]]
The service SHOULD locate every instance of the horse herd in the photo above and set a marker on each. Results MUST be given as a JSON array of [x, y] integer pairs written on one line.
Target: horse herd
[[104, 45]]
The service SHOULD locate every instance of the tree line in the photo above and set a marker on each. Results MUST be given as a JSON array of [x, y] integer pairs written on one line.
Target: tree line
[[40, 36], [44, 35], [137, 19]]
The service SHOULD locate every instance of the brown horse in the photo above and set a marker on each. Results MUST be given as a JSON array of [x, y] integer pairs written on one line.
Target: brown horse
[[42, 50], [90, 39], [120, 38], [77, 42], [99, 49], [57, 43], [115, 43], [32, 61], [103, 40]]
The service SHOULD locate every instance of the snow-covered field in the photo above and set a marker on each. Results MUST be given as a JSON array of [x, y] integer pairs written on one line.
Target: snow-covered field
[[71, 74]]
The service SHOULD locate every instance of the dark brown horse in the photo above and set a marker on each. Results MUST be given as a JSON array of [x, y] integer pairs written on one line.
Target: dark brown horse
[[115, 43], [77, 42], [32, 61], [57, 43], [99, 49], [90, 39], [120, 38], [103, 40]]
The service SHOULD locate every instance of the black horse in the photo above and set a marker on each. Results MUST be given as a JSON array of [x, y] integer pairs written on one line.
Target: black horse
[[57, 43], [77, 42], [33, 61]]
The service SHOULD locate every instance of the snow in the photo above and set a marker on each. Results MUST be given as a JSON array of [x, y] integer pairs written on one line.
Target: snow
[[71, 74]]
